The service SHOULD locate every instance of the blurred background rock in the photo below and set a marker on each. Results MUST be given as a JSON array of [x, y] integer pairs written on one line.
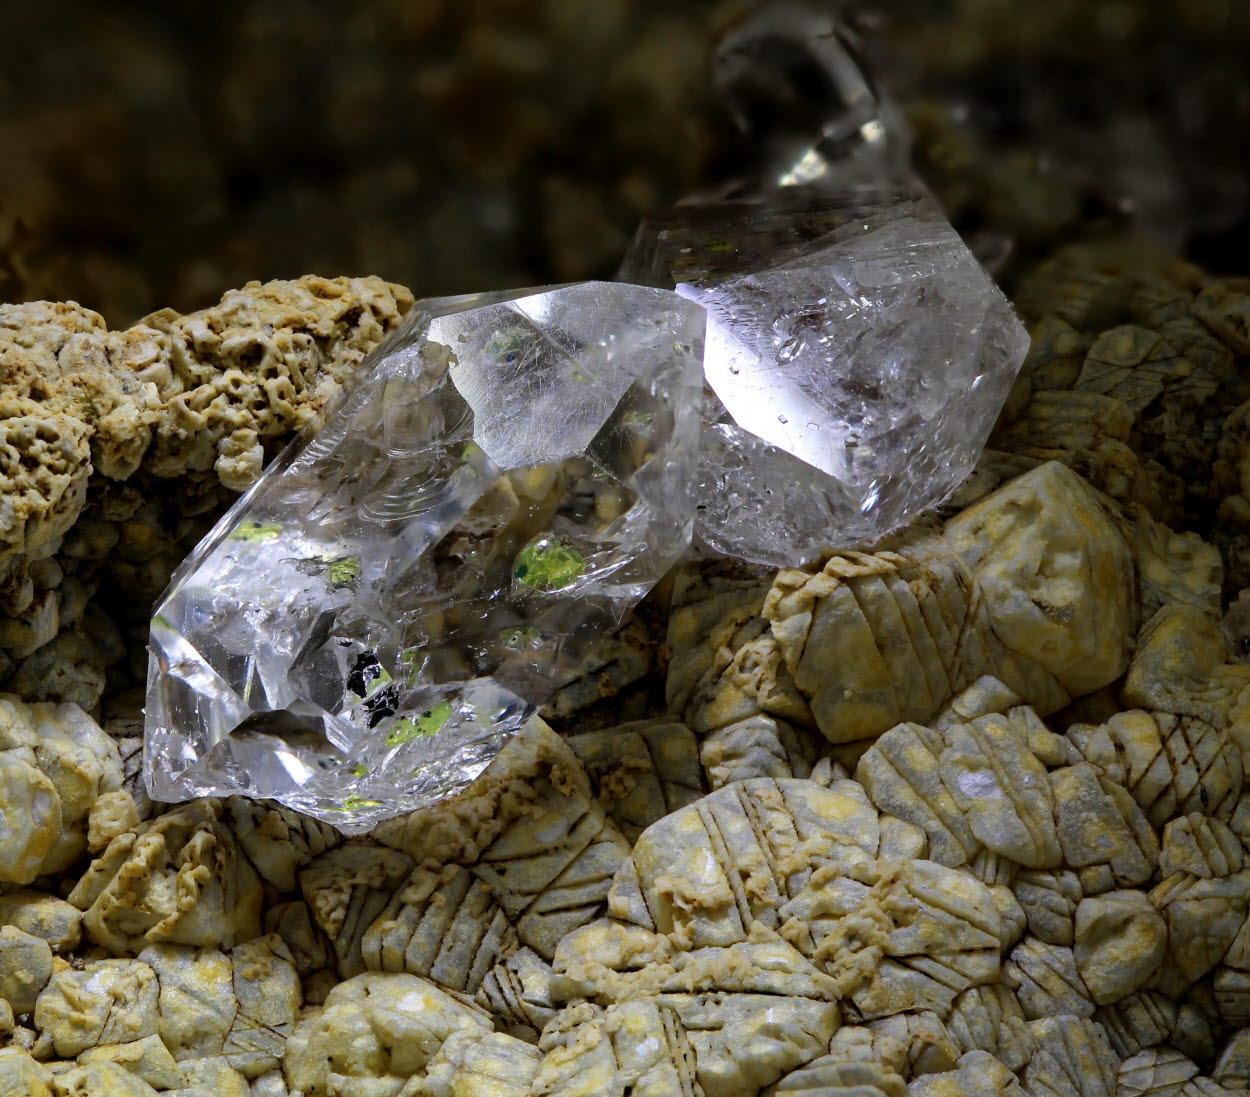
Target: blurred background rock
[[155, 155]]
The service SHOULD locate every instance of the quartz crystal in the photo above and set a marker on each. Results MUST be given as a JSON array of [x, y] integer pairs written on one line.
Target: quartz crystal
[[368, 625], [857, 358]]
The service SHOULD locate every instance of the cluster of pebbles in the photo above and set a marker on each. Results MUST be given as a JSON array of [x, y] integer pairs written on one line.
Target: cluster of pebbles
[[959, 815]]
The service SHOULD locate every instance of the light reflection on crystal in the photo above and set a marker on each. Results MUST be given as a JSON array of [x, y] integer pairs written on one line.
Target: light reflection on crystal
[[353, 638], [851, 331]]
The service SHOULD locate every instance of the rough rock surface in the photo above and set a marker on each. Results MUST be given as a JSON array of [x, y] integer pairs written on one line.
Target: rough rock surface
[[960, 816]]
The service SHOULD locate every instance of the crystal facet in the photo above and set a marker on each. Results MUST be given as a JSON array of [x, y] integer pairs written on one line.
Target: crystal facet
[[857, 357], [365, 628]]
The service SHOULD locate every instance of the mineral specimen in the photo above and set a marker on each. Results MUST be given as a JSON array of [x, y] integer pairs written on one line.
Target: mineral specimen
[[369, 625], [857, 357]]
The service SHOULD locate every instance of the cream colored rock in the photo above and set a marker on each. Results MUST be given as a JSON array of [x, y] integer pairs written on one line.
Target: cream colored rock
[[641, 771], [347, 887], [1049, 899], [214, 1077], [470, 1064], [1172, 765], [112, 815], [707, 872], [1055, 572], [928, 1046], [989, 1018], [294, 924], [1045, 980], [532, 830], [1142, 1020], [1183, 667], [900, 773], [25, 968], [56, 921], [104, 1002], [978, 1074], [278, 841], [1072, 1059], [197, 1004], [1002, 788], [729, 1045], [180, 877], [1173, 568], [148, 1059], [1099, 824], [446, 926], [517, 992], [1232, 996], [1121, 941], [876, 640], [1200, 845], [1203, 919], [375, 1033], [760, 746], [725, 664], [831, 1075], [30, 817], [608, 963], [22, 1076], [1158, 1072], [267, 990], [101, 1078]]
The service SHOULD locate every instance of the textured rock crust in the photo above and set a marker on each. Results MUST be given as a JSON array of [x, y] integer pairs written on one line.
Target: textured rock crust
[[203, 398], [961, 816]]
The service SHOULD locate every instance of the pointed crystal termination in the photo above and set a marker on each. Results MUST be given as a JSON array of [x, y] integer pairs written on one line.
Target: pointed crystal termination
[[857, 358], [368, 625]]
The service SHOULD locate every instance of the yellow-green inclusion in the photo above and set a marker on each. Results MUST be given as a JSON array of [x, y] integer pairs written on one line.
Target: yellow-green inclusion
[[548, 564], [430, 722], [255, 531]]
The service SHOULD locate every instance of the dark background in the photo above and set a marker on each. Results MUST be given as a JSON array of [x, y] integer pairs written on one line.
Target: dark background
[[158, 154]]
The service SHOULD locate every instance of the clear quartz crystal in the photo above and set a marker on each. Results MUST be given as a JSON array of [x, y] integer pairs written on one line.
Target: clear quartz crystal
[[368, 625], [857, 358]]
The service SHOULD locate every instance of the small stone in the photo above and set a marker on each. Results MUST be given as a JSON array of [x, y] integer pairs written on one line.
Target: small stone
[[1045, 980], [197, 1004], [1154, 1073], [180, 877], [1072, 1057], [104, 1002], [25, 968], [56, 921], [147, 1059], [30, 817], [375, 1032], [22, 1076], [112, 814], [1121, 941], [529, 458]]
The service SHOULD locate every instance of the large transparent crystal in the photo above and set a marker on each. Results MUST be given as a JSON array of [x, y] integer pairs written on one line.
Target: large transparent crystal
[[857, 357], [367, 626]]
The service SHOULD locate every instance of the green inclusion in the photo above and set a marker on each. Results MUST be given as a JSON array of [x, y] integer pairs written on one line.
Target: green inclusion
[[430, 722], [518, 638], [359, 769], [548, 564], [352, 802], [343, 571], [254, 531]]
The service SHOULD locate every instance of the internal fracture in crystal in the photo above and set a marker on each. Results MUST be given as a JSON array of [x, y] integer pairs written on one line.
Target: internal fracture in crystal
[[857, 358], [364, 630]]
